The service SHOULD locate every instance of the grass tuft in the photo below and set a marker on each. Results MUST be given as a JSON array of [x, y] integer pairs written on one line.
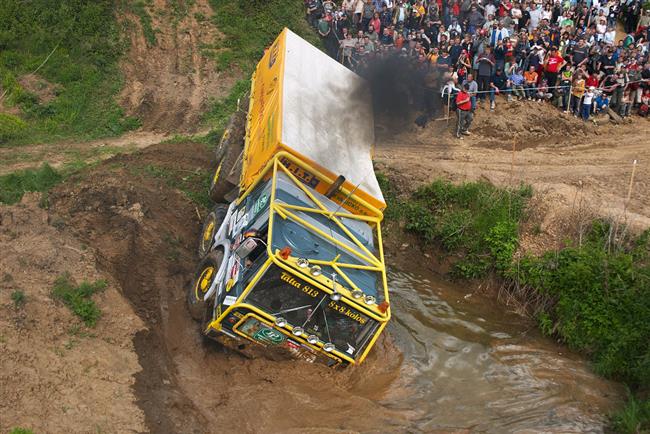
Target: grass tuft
[[78, 297], [19, 298], [633, 418], [14, 185]]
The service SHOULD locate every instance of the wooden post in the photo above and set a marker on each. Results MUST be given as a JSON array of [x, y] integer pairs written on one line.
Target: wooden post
[[629, 188]]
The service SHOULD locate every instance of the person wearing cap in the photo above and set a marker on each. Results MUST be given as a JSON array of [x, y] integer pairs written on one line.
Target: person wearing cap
[[464, 111], [498, 84]]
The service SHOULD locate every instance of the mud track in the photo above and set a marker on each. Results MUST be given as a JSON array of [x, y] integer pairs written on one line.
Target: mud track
[[143, 232]]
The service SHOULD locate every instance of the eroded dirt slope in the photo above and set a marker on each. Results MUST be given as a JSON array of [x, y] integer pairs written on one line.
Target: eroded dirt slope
[[56, 375], [168, 83]]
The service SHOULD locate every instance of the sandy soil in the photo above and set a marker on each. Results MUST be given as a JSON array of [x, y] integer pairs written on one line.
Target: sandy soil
[[168, 85], [57, 375], [578, 170]]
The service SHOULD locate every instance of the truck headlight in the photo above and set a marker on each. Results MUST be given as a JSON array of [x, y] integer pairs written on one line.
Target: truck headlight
[[302, 263], [369, 299], [280, 322], [315, 271], [357, 293], [297, 331], [329, 347], [312, 339]]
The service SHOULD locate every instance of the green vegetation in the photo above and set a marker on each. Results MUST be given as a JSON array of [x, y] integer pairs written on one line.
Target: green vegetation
[[597, 293], [194, 185], [18, 297], [475, 220], [74, 45], [634, 418], [248, 28], [21, 431], [139, 8], [78, 297], [14, 185]]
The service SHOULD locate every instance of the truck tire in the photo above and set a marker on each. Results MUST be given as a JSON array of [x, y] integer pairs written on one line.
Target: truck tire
[[227, 152], [204, 276], [211, 225]]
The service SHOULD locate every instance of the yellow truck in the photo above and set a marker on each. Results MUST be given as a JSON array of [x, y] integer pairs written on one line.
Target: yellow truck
[[293, 264]]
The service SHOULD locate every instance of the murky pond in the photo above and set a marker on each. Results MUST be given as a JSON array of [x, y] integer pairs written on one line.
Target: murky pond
[[470, 365]]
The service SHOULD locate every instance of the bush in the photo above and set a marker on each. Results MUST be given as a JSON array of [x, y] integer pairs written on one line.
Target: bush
[[602, 301], [476, 220], [78, 298]]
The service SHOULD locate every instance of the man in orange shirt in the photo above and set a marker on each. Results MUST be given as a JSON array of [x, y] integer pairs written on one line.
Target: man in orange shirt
[[530, 79], [464, 111]]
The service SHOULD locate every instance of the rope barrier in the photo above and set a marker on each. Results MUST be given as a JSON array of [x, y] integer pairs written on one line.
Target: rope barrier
[[549, 87]]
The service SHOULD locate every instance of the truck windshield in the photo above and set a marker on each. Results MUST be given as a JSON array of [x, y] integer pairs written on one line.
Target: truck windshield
[[282, 294]]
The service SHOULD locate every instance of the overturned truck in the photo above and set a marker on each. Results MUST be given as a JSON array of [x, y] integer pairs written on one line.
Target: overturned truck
[[291, 254]]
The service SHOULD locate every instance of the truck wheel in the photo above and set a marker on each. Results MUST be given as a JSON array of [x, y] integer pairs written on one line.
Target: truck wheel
[[210, 227], [227, 153], [204, 276]]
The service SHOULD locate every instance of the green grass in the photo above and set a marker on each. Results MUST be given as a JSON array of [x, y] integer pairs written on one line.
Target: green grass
[[14, 185], [19, 298], [248, 27], [78, 297], [251, 26], [21, 431], [82, 39], [139, 8], [476, 221], [633, 418]]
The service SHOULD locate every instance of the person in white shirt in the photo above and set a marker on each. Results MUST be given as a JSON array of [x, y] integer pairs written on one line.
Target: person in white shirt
[[610, 36], [535, 18]]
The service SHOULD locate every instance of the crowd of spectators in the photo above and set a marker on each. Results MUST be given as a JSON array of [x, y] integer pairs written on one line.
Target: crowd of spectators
[[566, 52]]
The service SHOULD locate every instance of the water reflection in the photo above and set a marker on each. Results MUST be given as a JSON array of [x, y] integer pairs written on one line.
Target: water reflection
[[470, 366]]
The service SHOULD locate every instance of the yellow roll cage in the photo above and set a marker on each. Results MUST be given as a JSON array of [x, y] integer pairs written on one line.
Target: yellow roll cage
[[368, 260]]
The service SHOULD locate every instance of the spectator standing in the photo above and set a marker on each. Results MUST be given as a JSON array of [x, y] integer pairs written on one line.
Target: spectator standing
[[485, 68], [472, 89], [586, 103], [577, 93], [552, 65], [464, 111]]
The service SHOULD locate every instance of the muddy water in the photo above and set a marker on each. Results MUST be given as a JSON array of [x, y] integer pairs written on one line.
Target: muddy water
[[468, 365]]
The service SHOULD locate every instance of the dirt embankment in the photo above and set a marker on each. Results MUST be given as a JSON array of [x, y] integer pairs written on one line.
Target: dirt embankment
[[141, 232], [578, 170], [55, 374], [169, 83]]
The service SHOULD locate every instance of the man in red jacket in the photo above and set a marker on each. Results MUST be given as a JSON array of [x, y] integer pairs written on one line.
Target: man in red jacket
[[552, 65], [464, 110]]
